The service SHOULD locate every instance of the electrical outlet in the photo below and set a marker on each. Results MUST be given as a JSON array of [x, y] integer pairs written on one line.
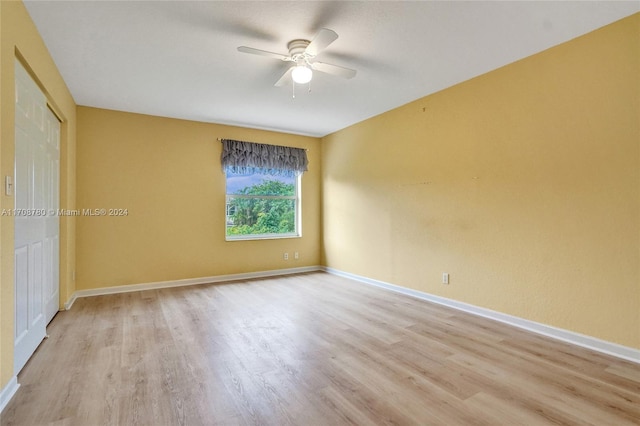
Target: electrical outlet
[[8, 186], [445, 278], [286, 256], [295, 255]]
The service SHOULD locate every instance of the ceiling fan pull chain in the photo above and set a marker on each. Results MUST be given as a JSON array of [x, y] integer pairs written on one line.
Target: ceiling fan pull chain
[[293, 89]]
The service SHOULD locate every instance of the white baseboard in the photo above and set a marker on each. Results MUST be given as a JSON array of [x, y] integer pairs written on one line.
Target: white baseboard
[[190, 281], [8, 391], [614, 349], [69, 303]]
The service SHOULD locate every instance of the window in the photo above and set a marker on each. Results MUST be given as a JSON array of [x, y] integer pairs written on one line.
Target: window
[[262, 206], [262, 190]]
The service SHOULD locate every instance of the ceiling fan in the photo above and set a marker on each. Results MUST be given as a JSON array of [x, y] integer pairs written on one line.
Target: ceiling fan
[[301, 53]]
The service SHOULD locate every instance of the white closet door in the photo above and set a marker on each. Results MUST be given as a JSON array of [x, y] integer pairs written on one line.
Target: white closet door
[[36, 185], [51, 202]]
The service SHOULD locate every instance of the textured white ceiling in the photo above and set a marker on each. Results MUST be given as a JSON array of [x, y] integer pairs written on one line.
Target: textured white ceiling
[[179, 58]]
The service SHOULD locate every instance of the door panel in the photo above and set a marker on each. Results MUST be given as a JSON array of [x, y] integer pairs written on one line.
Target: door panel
[[36, 187], [51, 202], [22, 275]]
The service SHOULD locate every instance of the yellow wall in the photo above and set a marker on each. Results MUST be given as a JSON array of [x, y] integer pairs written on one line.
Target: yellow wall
[[19, 38], [167, 173], [523, 184]]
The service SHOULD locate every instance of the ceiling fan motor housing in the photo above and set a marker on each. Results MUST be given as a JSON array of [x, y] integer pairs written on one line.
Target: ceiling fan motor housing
[[297, 49]]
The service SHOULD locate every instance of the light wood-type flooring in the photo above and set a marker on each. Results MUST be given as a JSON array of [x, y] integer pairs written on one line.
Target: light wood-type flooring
[[308, 349]]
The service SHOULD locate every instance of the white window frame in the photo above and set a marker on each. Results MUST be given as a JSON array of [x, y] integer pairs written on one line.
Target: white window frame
[[297, 197]]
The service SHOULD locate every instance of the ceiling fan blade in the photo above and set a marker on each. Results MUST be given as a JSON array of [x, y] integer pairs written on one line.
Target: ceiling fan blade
[[245, 49], [286, 77], [334, 70], [320, 42]]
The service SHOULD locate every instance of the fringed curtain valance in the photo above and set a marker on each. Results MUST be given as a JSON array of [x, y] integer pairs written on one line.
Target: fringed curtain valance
[[250, 157]]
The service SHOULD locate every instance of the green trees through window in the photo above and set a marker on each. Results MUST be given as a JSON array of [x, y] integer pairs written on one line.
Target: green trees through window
[[261, 206]]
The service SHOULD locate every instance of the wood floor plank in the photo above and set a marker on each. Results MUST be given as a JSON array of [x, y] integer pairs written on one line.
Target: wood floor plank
[[308, 349]]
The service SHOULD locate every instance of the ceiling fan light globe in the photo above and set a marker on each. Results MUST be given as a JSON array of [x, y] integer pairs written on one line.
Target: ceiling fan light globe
[[301, 74]]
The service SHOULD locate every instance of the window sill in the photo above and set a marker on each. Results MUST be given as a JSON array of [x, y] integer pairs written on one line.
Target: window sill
[[261, 237]]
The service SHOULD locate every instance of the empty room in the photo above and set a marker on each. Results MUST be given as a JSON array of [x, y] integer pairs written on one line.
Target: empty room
[[319, 213]]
